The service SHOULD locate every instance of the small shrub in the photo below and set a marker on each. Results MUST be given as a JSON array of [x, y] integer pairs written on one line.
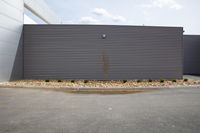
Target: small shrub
[[150, 80], [85, 81], [174, 80], [162, 81], [72, 81], [139, 81], [185, 80], [59, 80], [46, 80], [124, 81]]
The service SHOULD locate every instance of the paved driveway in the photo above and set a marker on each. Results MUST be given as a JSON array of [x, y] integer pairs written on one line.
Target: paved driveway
[[39, 111]]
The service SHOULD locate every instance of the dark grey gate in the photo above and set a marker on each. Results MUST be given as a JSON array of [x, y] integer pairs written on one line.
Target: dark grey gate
[[102, 52], [192, 54]]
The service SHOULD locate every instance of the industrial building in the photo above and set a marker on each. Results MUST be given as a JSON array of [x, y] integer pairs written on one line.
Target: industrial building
[[94, 52]]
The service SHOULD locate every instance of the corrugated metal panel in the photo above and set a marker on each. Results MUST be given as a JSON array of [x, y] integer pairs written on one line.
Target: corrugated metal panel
[[191, 54], [79, 52], [11, 24]]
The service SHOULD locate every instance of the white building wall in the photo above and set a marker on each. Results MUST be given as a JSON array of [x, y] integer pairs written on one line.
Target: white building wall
[[11, 25], [42, 10], [11, 35]]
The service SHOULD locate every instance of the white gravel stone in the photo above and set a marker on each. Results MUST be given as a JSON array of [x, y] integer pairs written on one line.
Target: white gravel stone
[[98, 84]]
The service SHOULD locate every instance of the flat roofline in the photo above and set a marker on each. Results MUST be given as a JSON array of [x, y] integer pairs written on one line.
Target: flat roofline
[[191, 34], [101, 25]]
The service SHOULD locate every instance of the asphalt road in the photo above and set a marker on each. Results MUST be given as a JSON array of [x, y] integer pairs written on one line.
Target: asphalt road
[[39, 111]]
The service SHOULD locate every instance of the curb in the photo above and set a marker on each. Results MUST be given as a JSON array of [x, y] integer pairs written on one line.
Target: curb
[[75, 89]]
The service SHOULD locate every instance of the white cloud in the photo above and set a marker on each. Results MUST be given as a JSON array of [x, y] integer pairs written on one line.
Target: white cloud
[[164, 3], [101, 16], [118, 19], [104, 13], [89, 20], [100, 12]]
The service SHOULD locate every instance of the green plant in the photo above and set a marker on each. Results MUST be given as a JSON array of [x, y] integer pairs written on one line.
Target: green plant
[[174, 80], [85, 81], [124, 81], [72, 81], [185, 80], [46, 80], [150, 80], [162, 81]]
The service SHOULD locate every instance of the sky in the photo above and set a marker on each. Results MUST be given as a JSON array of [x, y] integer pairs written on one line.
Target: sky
[[182, 13]]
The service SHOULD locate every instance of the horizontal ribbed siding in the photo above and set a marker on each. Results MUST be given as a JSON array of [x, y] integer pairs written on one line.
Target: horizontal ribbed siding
[[11, 25], [79, 52], [191, 54]]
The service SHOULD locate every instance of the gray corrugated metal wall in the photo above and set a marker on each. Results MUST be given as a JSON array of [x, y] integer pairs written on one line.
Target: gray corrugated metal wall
[[11, 24], [79, 52], [191, 54]]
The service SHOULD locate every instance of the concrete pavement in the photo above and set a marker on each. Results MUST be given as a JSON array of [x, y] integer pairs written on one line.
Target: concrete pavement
[[193, 77], [39, 111]]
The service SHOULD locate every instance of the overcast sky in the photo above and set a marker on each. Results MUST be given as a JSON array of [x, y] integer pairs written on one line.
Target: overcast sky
[[185, 13]]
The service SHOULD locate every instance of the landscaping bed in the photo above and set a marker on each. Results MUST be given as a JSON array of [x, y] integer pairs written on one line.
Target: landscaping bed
[[99, 84]]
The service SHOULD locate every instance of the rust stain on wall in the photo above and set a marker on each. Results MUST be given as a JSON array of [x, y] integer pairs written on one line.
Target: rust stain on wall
[[105, 61]]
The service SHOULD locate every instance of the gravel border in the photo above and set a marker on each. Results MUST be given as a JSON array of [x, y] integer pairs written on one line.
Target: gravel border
[[91, 84]]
